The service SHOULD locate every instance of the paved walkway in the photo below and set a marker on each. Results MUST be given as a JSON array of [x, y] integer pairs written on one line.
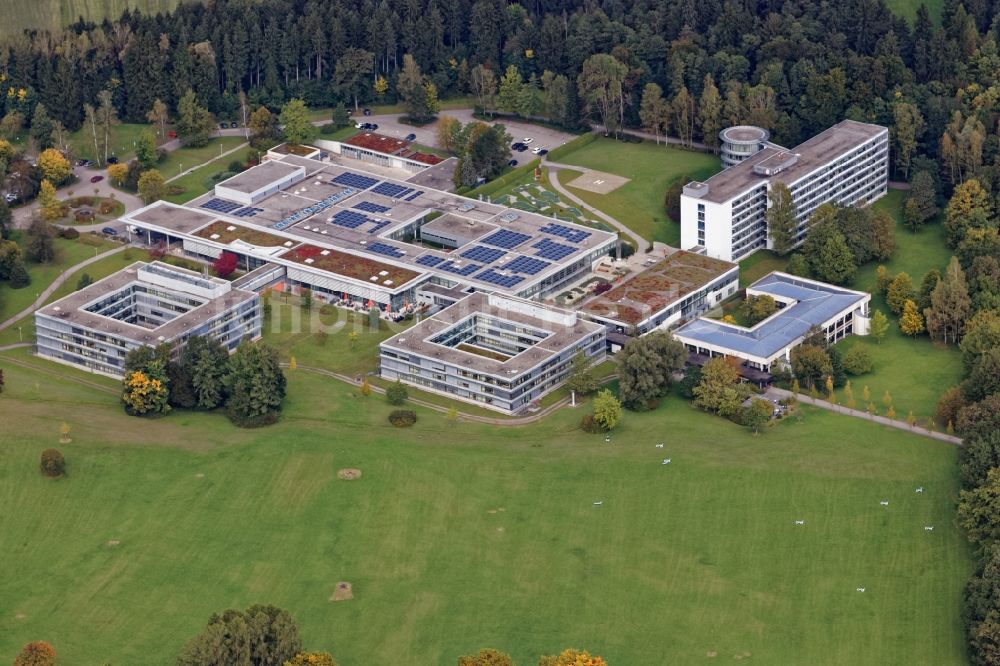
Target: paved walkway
[[640, 243], [56, 284], [840, 409]]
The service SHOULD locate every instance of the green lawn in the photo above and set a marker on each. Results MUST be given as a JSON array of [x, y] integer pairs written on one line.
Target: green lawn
[[201, 179], [68, 252], [908, 8], [186, 158], [915, 371], [759, 264], [651, 168], [122, 144], [460, 536]]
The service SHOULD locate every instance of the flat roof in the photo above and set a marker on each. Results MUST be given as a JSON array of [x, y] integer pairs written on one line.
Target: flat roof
[[350, 265], [260, 176], [654, 289], [812, 154], [815, 303], [70, 308], [561, 336], [350, 209], [377, 142]]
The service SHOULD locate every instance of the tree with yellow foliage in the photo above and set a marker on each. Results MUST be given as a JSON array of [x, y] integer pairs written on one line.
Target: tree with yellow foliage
[[118, 172], [311, 659], [366, 387], [910, 321], [486, 657], [51, 208], [53, 165], [144, 395], [571, 657]]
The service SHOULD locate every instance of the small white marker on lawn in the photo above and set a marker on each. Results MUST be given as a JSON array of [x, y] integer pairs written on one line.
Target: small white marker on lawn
[[920, 489], [861, 589], [800, 522], [884, 502], [666, 461], [929, 528], [599, 503]]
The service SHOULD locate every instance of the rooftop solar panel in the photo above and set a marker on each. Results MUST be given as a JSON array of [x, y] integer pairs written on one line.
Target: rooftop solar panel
[[570, 234], [221, 205], [349, 219], [452, 267], [487, 255], [370, 207], [354, 180], [493, 277], [249, 211], [527, 265], [392, 190], [387, 250], [550, 250], [429, 260], [506, 239]]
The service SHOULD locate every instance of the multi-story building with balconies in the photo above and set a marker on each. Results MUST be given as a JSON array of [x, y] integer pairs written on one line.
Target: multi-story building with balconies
[[724, 217]]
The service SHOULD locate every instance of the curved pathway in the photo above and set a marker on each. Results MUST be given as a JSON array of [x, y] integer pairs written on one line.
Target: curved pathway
[[57, 283], [640, 242]]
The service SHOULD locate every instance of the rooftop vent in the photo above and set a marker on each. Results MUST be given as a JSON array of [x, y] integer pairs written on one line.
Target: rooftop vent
[[230, 228], [325, 252], [214, 236], [373, 278], [383, 273], [309, 260], [288, 243]]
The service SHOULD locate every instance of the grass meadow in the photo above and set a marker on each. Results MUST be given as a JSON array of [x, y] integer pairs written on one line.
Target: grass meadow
[[462, 535], [651, 168]]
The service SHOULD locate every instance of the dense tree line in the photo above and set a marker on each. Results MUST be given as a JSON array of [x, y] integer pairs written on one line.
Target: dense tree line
[[794, 67]]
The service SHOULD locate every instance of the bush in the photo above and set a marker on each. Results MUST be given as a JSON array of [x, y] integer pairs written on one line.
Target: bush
[[397, 393], [857, 361], [588, 424], [402, 418], [19, 277], [236, 165], [69, 233], [38, 653], [52, 464], [328, 128]]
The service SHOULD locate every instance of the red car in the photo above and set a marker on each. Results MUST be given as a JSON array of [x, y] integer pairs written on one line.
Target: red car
[[172, 134], [97, 179]]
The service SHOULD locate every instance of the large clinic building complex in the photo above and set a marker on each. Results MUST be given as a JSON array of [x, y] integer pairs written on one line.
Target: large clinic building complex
[[723, 217]]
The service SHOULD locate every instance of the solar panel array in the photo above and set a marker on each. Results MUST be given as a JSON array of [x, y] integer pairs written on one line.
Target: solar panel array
[[393, 190], [570, 234], [349, 179], [451, 267], [550, 250], [414, 195], [315, 208], [378, 227], [349, 219], [506, 281], [387, 250], [487, 255], [249, 211], [506, 239], [527, 265], [370, 207], [221, 205], [429, 260]]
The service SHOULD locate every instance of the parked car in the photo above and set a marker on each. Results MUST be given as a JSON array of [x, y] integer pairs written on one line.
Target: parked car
[[360, 125], [84, 163], [368, 112], [233, 125], [112, 159], [109, 231], [521, 148], [517, 145], [411, 137], [97, 179], [374, 126], [171, 134], [512, 163], [536, 151], [223, 125], [10, 198], [528, 139], [543, 151]]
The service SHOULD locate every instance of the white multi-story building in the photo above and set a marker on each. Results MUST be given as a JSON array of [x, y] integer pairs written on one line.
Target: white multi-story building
[[724, 216]]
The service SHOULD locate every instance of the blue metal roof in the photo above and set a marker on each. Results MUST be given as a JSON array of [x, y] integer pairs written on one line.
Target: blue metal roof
[[816, 303]]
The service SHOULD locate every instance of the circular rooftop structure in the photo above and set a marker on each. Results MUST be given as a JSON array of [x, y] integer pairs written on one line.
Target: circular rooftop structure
[[740, 142]]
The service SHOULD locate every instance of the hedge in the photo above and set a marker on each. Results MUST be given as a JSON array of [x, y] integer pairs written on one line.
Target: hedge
[[579, 142], [503, 181]]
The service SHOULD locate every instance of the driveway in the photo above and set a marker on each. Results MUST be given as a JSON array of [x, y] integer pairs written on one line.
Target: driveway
[[542, 137]]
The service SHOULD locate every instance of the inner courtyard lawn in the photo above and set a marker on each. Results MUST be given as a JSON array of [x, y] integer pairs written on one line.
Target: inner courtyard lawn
[[651, 168], [461, 535]]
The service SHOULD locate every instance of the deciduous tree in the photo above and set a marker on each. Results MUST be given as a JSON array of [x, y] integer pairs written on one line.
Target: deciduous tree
[[54, 166], [900, 290], [50, 206], [152, 186], [979, 510], [950, 305], [757, 414], [396, 394], [194, 122], [572, 657], [607, 409], [37, 653], [857, 360], [645, 368], [601, 89], [878, 326], [259, 635], [810, 363], [581, 378], [40, 247], [486, 657], [910, 321], [295, 122], [255, 385]]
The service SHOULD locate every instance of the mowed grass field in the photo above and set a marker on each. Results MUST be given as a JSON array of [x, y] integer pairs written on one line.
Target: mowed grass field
[[651, 168], [461, 535], [52, 14], [908, 8]]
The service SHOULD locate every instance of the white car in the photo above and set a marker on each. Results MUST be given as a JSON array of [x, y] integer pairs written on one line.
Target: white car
[[535, 151], [528, 139]]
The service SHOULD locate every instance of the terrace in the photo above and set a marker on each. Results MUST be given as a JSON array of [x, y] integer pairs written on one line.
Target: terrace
[[350, 265], [226, 232], [657, 287]]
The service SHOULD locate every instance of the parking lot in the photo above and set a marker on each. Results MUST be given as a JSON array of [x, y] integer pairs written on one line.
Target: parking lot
[[542, 137]]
